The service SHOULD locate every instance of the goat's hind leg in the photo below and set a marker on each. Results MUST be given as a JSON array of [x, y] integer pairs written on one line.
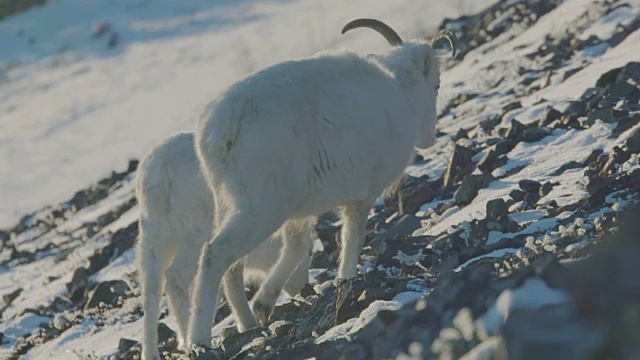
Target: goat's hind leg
[[154, 255], [295, 247], [179, 278], [233, 282], [238, 234]]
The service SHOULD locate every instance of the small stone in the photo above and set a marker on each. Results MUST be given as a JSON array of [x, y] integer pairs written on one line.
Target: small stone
[[489, 124], [487, 163], [516, 130], [633, 142], [133, 165], [550, 115], [100, 29], [529, 186], [605, 115], [626, 123], [233, 343], [517, 195], [496, 209], [470, 186], [545, 189], [461, 134], [592, 157], [8, 298], [568, 166], [410, 200], [535, 134], [531, 199], [502, 147], [459, 165], [107, 292], [608, 77], [512, 106], [125, 345], [165, 333], [281, 328]]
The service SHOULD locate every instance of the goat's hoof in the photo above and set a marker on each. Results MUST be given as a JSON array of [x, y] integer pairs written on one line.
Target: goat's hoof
[[262, 312]]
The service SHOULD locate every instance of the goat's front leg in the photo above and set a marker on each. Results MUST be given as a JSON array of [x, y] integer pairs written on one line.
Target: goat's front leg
[[353, 229]]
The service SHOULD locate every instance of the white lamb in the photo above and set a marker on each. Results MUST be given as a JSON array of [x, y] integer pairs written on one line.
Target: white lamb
[[176, 210], [305, 136]]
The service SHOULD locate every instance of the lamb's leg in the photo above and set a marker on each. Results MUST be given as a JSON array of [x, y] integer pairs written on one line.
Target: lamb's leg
[[154, 254], [241, 232], [353, 230], [179, 277], [295, 247], [300, 275], [234, 290]]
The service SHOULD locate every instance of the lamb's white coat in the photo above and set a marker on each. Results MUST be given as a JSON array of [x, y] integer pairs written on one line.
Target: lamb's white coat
[[176, 208], [302, 137]]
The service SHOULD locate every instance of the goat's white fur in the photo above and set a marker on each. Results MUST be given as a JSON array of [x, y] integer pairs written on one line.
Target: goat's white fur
[[176, 211], [302, 137]]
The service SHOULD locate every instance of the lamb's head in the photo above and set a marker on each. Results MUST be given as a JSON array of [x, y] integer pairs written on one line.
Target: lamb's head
[[417, 68]]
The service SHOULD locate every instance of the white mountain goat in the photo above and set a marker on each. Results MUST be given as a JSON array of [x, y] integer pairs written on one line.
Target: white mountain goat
[[305, 136], [176, 208]]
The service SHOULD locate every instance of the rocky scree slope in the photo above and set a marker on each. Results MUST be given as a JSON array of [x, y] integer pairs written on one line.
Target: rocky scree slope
[[507, 240]]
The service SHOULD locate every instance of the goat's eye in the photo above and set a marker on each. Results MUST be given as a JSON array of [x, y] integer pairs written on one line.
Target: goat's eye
[[438, 87]]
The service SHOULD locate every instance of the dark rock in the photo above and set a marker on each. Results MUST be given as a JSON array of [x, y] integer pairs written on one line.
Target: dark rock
[[77, 288], [4, 236], [545, 189], [165, 333], [488, 162], [531, 199], [535, 134], [100, 29], [59, 305], [575, 108], [307, 290], [517, 195], [489, 124], [233, 343], [608, 77], [107, 292], [502, 147], [496, 209], [605, 115], [617, 156], [568, 166], [568, 122], [281, 328], [512, 106], [410, 200], [114, 40], [621, 90], [461, 134], [470, 186], [592, 157], [459, 165], [516, 130], [133, 165], [529, 186], [633, 142], [550, 115], [625, 124], [126, 344], [8, 298]]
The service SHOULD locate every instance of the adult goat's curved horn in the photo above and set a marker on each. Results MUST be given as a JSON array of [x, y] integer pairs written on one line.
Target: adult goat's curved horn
[[385, 30]]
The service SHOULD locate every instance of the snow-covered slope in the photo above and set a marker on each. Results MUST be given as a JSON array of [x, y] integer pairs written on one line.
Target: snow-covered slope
[[73, 108], [536, 160]]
